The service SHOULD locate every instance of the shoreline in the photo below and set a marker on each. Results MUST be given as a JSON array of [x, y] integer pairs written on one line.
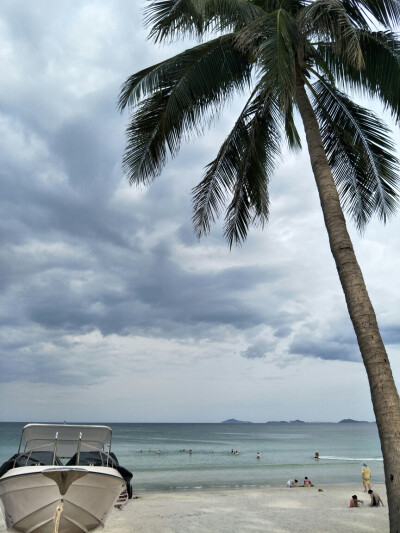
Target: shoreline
[[142, 492], [237, 510]]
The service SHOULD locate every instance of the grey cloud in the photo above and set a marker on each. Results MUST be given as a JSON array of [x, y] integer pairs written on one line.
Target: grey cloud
[[114, 287], [283, 332], [53, 366], [325, 349], [258, 350]]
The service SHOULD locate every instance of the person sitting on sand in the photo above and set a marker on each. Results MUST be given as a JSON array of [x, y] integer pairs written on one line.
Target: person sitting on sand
[[292, 483], [307, 482], [366, 476], [355, 501], [376, 500]]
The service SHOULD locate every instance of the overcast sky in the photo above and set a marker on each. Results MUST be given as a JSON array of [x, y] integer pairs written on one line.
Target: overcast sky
[[110, 309]]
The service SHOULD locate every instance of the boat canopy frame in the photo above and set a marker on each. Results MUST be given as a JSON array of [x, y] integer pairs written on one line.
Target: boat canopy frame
[[65, 440]]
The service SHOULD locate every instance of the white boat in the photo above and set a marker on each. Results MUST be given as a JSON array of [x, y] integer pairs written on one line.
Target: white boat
[[64, 479]]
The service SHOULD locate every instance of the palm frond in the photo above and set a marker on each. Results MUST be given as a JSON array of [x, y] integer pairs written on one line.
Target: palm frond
[[386, 12], [272, 39], [146, 147], [292, 135], [170, 19], [328, 21], [241, 170], [360, 154], [272, 5], [380, 77], [142, 83], [359, 17], [182, 96]]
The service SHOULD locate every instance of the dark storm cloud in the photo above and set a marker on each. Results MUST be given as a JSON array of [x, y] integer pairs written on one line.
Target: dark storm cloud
[[143, 291], [105, 275]]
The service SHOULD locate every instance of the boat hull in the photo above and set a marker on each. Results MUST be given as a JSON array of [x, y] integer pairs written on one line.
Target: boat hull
[[30, 497]]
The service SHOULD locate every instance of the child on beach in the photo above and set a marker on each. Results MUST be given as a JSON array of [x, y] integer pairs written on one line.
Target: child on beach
[[307, 482], [355, 501], [292, 483], [376, 500]]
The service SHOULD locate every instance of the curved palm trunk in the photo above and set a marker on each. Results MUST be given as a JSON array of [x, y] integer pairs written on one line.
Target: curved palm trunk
[[385, 398]]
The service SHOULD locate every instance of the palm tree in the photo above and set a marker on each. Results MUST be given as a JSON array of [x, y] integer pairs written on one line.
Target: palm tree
[[287, 56]]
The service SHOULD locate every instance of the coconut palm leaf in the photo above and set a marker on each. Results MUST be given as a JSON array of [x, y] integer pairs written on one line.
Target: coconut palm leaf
[[272, 39], [292, 135], [241, 169], [360, 153], [386, 12], [169, 19], [381, 75], [329, 22], [187, 92], [277, 57]]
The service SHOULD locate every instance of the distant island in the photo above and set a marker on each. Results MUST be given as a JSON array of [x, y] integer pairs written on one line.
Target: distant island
[[351, 421], [234, 421]]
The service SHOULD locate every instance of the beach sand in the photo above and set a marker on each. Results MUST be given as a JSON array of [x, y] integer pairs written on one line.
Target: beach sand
[[275, 510]]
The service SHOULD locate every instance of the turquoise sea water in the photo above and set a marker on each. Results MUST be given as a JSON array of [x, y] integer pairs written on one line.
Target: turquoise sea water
[[287, 451]]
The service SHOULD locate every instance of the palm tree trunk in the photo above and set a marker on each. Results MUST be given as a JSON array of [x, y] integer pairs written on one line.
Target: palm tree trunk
[[385, 398]]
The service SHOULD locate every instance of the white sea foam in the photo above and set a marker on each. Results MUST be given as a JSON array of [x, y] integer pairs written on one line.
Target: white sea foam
[[358, 459]]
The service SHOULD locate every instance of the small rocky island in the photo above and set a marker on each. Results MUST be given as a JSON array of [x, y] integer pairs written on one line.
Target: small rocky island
[[234, 421], [351, 421]]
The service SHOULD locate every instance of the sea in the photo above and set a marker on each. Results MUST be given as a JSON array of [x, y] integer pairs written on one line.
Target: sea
[[191, 457]]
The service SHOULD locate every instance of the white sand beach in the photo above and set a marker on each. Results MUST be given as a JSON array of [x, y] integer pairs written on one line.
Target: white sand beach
[[275, 510]]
